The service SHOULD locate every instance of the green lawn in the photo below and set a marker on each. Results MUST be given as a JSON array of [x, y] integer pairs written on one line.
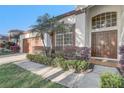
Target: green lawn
[[12, 76]]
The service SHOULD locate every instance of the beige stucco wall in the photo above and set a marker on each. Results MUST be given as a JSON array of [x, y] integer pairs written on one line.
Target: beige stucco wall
[[80, 30], [122, 26], [68, 19]]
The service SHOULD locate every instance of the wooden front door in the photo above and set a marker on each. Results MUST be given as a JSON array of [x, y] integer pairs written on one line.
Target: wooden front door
[[104, 44]]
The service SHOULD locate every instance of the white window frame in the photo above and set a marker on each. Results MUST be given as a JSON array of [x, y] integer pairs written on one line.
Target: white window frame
[[63, 42], [105, 24]]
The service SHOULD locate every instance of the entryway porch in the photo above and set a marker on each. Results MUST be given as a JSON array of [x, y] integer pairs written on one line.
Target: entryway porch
[[105, 62]]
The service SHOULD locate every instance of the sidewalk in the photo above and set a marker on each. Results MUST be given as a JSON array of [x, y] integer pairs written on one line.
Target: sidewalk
[[67, 78], [12, 58]]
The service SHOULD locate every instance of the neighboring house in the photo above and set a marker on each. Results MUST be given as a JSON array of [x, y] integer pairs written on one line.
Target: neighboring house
[[30, 42], [14, 35], [3, 38], [99, 27]]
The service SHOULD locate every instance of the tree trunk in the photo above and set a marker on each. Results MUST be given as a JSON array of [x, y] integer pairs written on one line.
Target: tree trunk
[[51, 41], [44, 46], [51, 37], [52, 46]]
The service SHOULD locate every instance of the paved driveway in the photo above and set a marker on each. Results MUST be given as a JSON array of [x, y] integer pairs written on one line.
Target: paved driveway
[[12, 58]]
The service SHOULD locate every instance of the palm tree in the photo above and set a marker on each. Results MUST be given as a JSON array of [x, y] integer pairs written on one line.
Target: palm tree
[[47, 24]]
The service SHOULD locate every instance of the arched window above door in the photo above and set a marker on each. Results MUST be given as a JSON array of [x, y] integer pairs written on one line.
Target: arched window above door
[[103, 20]]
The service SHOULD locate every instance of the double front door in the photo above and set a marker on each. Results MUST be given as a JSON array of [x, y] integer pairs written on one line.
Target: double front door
[[104, 44]]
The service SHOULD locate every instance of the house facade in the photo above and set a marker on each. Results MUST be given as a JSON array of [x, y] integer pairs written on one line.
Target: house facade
[[3, 38], [99, 27], [104, 31]]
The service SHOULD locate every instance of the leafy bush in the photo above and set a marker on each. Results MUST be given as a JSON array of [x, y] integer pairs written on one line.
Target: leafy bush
[[78, 65], [109, 80], [81, 66], [40, 59], [30, 57], [5, 51], [56, 61], [71, 63], [64, 65], [59, 55]]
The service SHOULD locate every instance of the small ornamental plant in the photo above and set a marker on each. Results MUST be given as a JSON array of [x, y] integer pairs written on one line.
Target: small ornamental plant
[[85, 53], [121, 52], [110, 80]]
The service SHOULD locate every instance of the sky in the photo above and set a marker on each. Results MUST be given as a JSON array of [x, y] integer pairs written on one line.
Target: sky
[[22, 17]]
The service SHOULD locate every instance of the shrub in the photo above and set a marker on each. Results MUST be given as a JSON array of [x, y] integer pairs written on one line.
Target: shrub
[[78, 65], [109, 80], [81, 66], [59, 55], [30, 57], [46, 60], [71, 64], [64, 65], [40, 59], [56, 61]]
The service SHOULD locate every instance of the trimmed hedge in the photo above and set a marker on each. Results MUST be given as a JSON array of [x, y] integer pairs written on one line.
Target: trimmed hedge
[[40, 59], [78, 65], [109, 80]]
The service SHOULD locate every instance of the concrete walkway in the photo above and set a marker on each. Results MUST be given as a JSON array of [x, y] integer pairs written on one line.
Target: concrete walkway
[[67, 78], [12, 58]]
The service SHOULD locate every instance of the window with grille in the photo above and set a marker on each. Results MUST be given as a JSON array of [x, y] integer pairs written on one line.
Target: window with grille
[[108, 19], [64, 39]]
